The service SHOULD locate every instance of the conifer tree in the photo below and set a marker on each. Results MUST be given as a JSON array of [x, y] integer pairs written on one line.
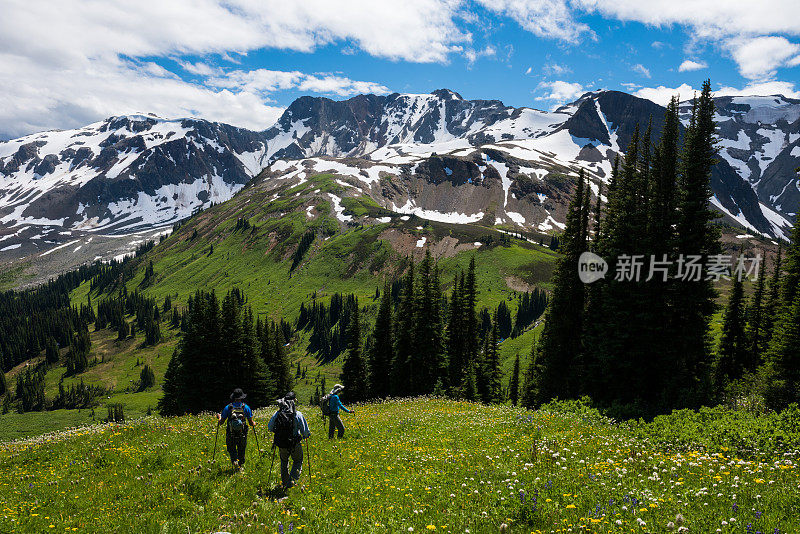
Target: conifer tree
[[427, 360], [791, 276], [3, 383], [354, 372], [773, 300], [733, 351], [51, 351], [455, 337], [560, 342], [513, 384], [694, 300], [469, 328], [404, 338], [492, 368], [281, 370], [504, 324], [756, 343], [170, 402], [782, 370], [381, 351]]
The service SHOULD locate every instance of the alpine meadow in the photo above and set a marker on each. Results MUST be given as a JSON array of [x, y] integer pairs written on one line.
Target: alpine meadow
[[245, 286]]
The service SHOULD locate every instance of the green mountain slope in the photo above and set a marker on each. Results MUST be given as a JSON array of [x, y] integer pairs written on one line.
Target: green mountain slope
[[252, 241]]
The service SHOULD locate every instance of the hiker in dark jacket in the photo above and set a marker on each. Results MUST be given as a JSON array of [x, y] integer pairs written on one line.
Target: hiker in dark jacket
[[237, 414], [335, 404], [290, 430]]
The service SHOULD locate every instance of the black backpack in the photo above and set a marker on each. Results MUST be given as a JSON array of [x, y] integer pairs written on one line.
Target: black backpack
[[285, 435], [237, 421], [325, 404]]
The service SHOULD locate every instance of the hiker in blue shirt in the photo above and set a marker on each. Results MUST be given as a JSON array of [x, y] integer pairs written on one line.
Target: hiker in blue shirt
[[237, 414], [335, 404], [290, 429]]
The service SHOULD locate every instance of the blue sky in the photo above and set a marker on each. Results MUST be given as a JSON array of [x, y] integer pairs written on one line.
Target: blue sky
[[65, 63]]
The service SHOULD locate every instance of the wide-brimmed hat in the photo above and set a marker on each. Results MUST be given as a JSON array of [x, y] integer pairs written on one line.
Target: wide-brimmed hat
[[238, 394], [337, 388]]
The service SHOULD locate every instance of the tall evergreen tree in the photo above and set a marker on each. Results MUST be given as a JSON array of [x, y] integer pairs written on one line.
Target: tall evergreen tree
[[404, 338], [492, 373], [560, 341], [455, 337], [756, 342], [694, 300], [469, 318], [732, 355], [773, 301], [381, 351], [513, 384], [354, 372], [427, 360], [782, 370]]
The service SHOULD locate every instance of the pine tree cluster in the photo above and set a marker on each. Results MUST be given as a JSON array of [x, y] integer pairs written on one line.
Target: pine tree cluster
[[224, 348]]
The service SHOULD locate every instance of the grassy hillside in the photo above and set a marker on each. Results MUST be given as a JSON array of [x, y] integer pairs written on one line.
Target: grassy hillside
[[405, 466]]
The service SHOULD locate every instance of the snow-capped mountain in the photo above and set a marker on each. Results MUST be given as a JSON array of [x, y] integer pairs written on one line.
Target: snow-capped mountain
[[400, 129], [760, 140], [124, 174], [436, 155]]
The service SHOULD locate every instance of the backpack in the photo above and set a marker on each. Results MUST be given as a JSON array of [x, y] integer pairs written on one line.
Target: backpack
[[237, 421], [325, 404], [285, 436]]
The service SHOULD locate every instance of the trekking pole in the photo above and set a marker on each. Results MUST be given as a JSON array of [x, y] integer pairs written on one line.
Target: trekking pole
[[257, 445], [269, 478], [308, 454], [216, 435], [355, 421]]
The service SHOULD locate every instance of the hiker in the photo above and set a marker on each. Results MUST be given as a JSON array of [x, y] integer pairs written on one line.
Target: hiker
[[237, 414], [290, 428], [335, 404]]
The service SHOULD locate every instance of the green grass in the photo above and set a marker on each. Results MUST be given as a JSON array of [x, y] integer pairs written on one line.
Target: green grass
[[404, 466], [23, 425], [13, 277]]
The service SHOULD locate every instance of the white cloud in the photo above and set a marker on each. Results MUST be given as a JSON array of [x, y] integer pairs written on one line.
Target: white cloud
[[641, 69], [257, 80], [749, 32], [268, 81], [760, 57], [549, 19], [473, 55], [70, 98], [762, 89], [340, 86], [200, 68], [65, 63], [661, 95], [560, 92], [708, 18], [554, 69], [689, 65]]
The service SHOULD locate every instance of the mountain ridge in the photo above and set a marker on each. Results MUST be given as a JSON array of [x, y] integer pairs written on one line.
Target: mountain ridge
[[140, 172]]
